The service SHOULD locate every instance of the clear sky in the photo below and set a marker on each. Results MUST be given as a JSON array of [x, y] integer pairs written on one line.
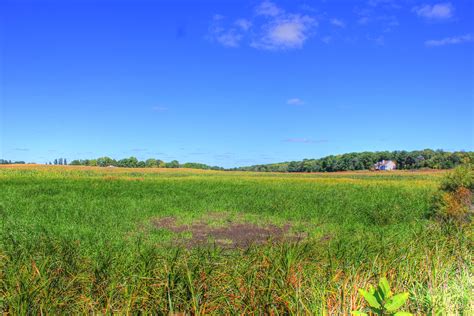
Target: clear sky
[[234, 83]]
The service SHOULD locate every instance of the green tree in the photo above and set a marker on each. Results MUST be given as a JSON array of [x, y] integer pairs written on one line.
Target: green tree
[[106, 161], [172, 164], [151, 163]]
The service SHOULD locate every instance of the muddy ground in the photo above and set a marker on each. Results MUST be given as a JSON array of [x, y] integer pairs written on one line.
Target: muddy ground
[[235, 233]]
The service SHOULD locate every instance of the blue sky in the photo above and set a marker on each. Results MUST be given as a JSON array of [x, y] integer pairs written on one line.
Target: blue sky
[[234, 83]]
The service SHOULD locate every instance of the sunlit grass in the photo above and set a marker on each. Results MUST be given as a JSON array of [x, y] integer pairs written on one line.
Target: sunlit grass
[[80, 240]]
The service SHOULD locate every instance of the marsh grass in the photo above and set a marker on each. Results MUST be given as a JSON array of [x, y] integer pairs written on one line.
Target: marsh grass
[[77, 240]]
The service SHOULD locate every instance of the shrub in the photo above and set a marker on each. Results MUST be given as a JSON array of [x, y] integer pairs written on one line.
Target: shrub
[[460, 177], [453, 202]]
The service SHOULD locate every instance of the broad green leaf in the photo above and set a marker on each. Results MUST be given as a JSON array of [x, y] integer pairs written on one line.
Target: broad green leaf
[[396, 302], [379, 295], [371, 290], [369, 298], [403, 314], [359, 313], [385, 288]]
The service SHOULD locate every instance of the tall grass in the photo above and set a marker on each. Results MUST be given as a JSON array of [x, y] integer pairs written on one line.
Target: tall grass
[[81, 241]]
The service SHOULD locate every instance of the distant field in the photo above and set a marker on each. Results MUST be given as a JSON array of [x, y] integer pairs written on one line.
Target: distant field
[[87, 239]]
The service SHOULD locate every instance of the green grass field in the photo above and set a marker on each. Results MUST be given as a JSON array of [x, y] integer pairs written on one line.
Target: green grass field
[[85, 240]]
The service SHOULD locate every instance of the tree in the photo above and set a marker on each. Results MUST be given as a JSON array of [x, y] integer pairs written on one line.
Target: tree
[[151, 163], [172, 164], [130, 162], [417, 159], [106, 161]]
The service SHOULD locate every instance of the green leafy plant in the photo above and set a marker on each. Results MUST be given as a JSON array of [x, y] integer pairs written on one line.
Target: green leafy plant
[[382, 301]]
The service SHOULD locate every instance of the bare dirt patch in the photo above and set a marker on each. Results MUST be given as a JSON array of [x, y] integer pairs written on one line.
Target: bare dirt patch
[[233, 233]]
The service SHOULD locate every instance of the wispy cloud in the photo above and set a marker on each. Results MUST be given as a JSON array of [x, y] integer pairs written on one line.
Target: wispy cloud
[[337, 22], [450, 40], [268, 8], [244, 24], [390, 4], [228, 37], [270, 28], [386, 21], [305, 140], [378, 40], [159, 108], [364, 18], [224, 156], [326, 39], [295, 101], [21, 149], [440, 11], [379, 13]]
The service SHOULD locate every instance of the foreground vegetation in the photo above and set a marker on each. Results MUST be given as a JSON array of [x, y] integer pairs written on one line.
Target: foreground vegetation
[[83, 239]]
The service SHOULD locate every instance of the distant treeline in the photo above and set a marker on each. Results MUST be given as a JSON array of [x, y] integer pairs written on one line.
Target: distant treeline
[[405, 160], [60, 161], [9, 162], [133, 162], [418, 159]]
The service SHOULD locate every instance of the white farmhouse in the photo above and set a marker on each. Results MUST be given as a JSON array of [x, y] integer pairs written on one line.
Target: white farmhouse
[[385, 165]]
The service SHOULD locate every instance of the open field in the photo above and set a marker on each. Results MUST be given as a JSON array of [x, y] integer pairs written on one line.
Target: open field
[[85, 239]]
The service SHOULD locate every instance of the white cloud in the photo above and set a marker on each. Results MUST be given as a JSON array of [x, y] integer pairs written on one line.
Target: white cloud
[[286, 32], [268, 8], [450, 40], [440, 11], [244, 24], [337, 22], [270, 28], [295, 101]]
